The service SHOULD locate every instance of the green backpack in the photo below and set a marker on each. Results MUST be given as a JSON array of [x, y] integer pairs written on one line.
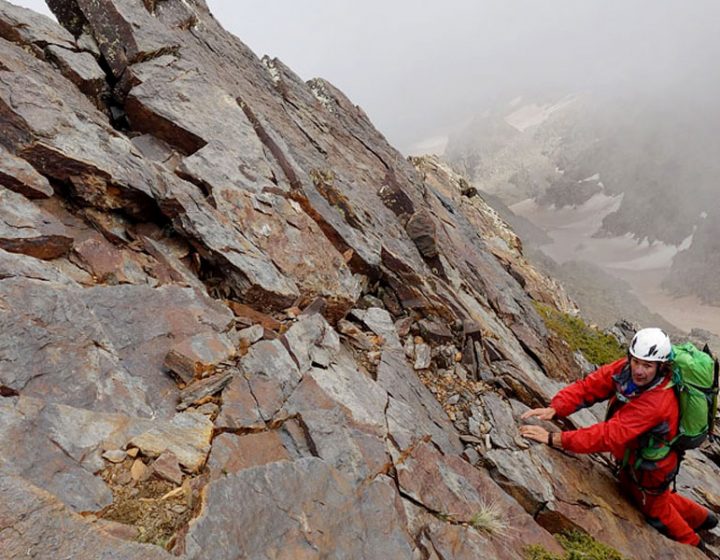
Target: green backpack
[[695, 381]]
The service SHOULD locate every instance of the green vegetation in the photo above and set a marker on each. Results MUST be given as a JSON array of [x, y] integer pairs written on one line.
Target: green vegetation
[[578, 546], [597, 347]]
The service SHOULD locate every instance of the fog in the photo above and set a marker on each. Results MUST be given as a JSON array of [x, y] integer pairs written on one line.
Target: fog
[[423, 68]]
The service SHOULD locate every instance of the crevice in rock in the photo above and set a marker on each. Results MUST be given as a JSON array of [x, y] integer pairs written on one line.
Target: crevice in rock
[[8, 391], [205, 188], [271, 145], [554, 522], [535, 358], [324, 184], [426, 532], [113, 104], [302, 130], [373, 152]]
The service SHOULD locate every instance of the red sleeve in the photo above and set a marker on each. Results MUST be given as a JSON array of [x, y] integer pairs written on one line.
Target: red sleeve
[[631, 420], [597, 386]]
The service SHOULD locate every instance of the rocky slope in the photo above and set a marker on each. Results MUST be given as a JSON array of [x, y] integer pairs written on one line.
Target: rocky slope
[[237, 323]]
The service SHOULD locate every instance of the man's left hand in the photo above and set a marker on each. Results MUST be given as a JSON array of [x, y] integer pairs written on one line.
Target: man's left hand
[[537, 433]]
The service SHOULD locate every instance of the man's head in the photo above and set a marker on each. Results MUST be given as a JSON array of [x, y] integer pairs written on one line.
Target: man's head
[[649, 349]]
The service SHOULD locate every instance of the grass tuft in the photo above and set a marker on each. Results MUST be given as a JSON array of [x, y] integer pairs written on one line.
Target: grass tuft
[[490, 518]]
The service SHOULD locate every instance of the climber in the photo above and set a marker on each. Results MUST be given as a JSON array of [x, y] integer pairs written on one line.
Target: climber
[[638, 409]]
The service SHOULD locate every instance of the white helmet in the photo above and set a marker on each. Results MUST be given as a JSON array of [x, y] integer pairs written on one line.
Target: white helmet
[[652, 345]]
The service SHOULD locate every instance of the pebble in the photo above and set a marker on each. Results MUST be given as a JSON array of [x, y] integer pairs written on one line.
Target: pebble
[[139, 471], [115, 455]]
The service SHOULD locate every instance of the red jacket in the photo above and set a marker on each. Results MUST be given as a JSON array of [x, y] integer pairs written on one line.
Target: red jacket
[[655, 408]]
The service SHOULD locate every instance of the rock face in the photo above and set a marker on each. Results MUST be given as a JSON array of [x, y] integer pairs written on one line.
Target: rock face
[[237, 323]]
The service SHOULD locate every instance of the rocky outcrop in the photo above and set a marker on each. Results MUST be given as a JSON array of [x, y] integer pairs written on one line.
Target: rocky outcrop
[[236, 322]]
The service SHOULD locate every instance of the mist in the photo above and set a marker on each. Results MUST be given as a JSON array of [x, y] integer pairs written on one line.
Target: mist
[[421, 69]]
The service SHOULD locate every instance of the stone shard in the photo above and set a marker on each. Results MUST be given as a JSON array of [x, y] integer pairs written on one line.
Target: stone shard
[[196, 356], [26, 27], [82, 69], [231, 453], [27, 229], [187, 436], [19, 176], [166, 466], [198, 390]]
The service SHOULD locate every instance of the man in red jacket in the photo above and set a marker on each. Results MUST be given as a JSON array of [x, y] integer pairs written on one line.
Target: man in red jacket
[[642, 411]]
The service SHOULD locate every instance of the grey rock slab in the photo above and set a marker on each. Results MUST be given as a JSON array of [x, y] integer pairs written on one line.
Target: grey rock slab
[[19, 176], [423, 357], [309, 332], [25, 228], [166, 466], [248, 270], [195, 113], [500, 415], [450, 486], [345, 384], [197, 355], [124, 31], [35, 524], [380, 322], [142, 323], [58, 130], [416, 412], [31, 446], [358, 451], [26, 27], [251, 334], [59, 447], [204, 388], [82, 69], [272, 375], [241, 409], [187, 436], [54, 346], [115, 455], [298, 509], [15, 265], [231, 453]]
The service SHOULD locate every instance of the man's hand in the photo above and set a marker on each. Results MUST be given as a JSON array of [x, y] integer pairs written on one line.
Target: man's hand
[[536, 433], [539, 413]]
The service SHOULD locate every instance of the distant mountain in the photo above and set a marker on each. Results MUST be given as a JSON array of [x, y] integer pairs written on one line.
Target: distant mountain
[[660, 154]]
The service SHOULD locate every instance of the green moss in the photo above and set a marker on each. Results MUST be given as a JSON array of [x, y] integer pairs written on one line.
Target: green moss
[[597, 347], [578, 546]]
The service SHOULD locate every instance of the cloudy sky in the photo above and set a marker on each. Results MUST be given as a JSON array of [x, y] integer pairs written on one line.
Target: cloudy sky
[[421, 68]]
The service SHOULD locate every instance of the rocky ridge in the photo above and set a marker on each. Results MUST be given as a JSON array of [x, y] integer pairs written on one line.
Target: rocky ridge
[[237, 323]]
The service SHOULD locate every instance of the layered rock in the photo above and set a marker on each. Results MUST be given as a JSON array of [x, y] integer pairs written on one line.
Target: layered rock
[[239, 341]]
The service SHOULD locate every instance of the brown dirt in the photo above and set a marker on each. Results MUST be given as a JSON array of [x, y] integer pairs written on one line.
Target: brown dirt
[[139, 504]]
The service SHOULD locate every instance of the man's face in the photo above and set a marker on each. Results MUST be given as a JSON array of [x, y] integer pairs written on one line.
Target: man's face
[[643, 372]]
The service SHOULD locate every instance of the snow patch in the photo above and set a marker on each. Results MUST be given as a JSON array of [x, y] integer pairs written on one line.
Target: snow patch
[[533, 115], [272, 69], [317, 86]]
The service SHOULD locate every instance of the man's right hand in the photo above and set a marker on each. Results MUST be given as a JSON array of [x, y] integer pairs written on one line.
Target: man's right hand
[[539, 413]]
